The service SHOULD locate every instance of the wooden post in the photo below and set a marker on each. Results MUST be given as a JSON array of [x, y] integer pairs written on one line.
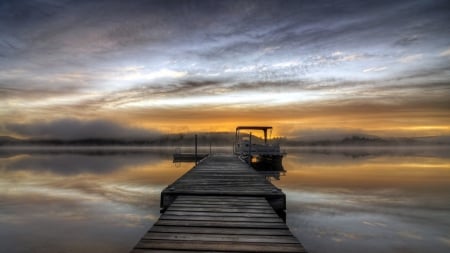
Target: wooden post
[[195, 149], [250, 149]]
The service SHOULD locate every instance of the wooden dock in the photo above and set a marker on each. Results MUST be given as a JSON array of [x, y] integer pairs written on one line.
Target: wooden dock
[[221, 205], [188, 157]]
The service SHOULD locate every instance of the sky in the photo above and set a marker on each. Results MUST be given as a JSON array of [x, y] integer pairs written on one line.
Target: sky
[[104, 68]]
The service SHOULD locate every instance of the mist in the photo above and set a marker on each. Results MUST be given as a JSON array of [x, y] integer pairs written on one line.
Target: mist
[[73, 129]]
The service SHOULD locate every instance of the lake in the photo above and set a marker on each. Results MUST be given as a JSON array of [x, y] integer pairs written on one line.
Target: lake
[[338, 199]]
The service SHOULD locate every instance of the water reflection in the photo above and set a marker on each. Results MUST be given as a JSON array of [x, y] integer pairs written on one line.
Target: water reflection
[[380, 201], [89, 200], [271, 169], [80, 200]]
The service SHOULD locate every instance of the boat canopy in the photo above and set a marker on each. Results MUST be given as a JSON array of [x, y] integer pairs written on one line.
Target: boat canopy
[[253, 127], [263, 128]]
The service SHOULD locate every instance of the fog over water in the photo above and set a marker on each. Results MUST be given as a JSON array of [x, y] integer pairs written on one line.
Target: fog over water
[[88, 200]]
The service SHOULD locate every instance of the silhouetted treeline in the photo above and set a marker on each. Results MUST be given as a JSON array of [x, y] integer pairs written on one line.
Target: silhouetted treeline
[[182, 139], [371, 141], [224, 139]]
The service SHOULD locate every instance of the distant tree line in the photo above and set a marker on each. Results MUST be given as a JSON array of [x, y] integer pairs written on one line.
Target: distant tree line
[[223, 139]]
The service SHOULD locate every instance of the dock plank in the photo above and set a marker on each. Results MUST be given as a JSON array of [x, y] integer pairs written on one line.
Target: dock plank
[[221, 205], [220, 231], [219, 218], [225, 210], [220, 214], [219, 246], [219, 238], [221, 224]]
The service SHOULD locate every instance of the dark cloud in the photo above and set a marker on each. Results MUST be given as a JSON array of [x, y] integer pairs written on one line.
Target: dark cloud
[[316, 26], [414, 93], [176, 22], [69, 129], [407, 40], [184, 87], [418, 80], [77, 34], [36, 92]]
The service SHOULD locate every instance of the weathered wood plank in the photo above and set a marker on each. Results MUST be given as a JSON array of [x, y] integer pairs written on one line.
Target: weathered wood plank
[[231, 198], [174, 251], [241, 205], [219, 238], [225, 210], [220, 214], [212, 191], [219, 246], [218, 218], [220, 231], [225, 199], [221, 203], [223, 224]]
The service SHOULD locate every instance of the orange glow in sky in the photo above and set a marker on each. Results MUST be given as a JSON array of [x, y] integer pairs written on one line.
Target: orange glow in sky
[[195, 67]]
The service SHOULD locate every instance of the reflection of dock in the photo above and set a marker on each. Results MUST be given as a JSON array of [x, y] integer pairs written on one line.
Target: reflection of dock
[[271, 169], [222, 205]]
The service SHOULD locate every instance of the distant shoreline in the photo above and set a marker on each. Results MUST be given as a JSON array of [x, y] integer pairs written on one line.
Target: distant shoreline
[[227, 139]]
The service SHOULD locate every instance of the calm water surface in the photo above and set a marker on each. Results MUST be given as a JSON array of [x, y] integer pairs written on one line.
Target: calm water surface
[[352, 200]]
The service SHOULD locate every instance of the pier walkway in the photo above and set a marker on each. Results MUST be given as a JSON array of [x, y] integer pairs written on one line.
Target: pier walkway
[[221, 205]]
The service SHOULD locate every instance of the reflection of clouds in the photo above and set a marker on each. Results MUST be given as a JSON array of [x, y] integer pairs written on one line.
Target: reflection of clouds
[[72, 164], [415, 172], [134, 178], [47, 189], [340, 231], [376, 203], [403, 205], [122, 178], [104, 206], [40, 223], [23, 208], [445, 240], [344, 154], [374, 224], [410, 235]]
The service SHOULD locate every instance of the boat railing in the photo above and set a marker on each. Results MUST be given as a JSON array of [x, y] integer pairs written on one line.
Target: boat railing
[[259, 149]]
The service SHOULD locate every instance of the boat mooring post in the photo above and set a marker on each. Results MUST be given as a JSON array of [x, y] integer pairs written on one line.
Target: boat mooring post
[[196, 150], [250, 149]]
